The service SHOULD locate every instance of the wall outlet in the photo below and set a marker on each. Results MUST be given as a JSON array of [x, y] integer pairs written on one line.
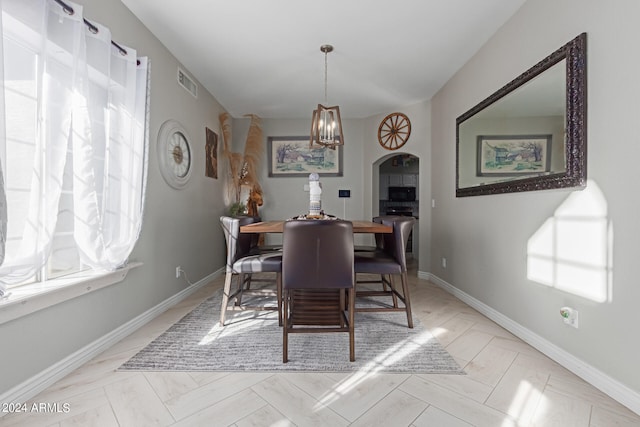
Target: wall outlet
[[444, 262], [178, 271], [569, 316]]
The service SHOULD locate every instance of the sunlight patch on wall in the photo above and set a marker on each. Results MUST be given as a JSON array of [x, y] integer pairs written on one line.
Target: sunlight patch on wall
[[571, 251]]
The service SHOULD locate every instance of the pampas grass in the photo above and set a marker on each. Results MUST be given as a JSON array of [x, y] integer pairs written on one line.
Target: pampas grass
[[252, 151], [242, 168]]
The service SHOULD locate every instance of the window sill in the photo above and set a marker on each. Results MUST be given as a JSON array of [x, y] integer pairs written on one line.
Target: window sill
[[28, 299]]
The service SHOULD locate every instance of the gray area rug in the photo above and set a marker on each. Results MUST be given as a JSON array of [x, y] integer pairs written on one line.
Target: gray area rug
[[252, 341]]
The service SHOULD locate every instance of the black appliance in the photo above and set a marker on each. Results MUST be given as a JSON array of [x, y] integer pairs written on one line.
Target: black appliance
[[402, 194], [399, 210]]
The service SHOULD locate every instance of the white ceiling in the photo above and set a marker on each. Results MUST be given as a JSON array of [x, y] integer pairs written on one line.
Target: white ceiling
[[263, 57]]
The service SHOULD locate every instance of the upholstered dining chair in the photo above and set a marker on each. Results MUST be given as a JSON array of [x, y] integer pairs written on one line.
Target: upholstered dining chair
[[378, 236], [318, 279], [242, 262], [389, 262]]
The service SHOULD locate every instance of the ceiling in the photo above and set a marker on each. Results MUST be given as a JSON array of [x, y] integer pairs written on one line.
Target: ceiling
[[263, 57]]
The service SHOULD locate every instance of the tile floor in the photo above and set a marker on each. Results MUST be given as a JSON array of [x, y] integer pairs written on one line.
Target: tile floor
[[508, 384]]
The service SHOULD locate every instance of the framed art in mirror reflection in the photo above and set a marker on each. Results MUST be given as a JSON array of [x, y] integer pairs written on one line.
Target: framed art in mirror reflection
[[513, 155]]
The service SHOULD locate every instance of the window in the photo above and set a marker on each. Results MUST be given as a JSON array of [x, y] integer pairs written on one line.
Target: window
[[20, 126], [21, 63], [73, 151]]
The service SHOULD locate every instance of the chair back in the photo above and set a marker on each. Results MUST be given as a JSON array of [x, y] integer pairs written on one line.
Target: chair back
[[255, 237], [395, 243], [317, 254], [379, 236], [238, 244]]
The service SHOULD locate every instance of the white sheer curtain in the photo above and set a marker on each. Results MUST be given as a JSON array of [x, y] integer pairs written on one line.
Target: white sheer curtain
[[109, 153], [88, 100], [3, 197], [3, 221], [54, 80]]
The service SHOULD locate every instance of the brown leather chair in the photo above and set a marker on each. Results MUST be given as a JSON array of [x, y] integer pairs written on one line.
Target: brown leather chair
[[379, 239], [389, 262], [242, 262], [318, 279]]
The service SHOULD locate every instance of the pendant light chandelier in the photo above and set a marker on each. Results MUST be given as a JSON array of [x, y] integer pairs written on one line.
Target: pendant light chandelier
[[326, 126]]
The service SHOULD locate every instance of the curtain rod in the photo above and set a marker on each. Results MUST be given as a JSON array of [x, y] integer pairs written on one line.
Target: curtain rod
[[69, 11]]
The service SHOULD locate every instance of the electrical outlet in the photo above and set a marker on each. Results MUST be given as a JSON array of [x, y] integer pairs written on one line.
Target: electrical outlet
[[569, 316], [178, 271], [444, 262]]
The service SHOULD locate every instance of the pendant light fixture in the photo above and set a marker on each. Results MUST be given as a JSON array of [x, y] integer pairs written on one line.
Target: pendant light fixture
[[326, 125]]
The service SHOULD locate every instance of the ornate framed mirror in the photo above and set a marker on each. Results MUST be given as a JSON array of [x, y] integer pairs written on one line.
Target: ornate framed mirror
[[532, 133]]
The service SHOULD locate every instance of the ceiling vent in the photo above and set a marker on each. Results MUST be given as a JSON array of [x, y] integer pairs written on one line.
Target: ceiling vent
[[186, 82]]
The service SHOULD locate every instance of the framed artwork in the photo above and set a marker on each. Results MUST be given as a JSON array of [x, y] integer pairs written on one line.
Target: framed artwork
[[291, 156], [513, 155], [211, 154]]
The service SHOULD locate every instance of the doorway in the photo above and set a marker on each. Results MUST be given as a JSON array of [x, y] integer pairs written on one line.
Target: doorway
[[399, 191]]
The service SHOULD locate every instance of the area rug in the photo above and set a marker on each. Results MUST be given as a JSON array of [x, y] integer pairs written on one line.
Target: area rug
[[252, 341]]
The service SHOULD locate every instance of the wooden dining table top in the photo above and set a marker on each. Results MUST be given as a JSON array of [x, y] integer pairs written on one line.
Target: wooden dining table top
[[278, 226]]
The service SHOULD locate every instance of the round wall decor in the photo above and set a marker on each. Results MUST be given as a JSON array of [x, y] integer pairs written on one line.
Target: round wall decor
[[394, 131], [174, 154]]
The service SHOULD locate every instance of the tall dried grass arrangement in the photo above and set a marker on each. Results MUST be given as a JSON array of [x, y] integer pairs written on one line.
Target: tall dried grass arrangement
[[253, 149], [242, 168]]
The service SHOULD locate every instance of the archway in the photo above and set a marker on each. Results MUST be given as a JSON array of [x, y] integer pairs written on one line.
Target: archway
[[395, 190]]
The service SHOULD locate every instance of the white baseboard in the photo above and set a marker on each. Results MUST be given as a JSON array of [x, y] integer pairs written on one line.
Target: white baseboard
[[613, 388], [39, 382]]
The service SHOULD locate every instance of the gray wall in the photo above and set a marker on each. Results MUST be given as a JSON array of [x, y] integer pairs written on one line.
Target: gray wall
[[485, 239], [285, 197], [180, 227], [419, 145]]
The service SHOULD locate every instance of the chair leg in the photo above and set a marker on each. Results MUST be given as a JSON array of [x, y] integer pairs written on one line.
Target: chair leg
[[389, 281], [407, 300], [225, 296], [241, 281], [279, 296], [285, 328], [343, 306], [352, 312]]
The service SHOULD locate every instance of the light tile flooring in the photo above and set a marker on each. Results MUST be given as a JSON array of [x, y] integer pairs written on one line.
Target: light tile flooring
[[508, 383]]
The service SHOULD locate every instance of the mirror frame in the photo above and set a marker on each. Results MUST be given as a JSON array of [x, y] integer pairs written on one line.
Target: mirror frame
[[575, 174]]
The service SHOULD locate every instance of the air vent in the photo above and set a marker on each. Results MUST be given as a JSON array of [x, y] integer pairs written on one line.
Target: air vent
[[186, 82]]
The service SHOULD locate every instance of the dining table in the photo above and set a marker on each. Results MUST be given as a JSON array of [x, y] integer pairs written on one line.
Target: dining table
[[278, 227], [329, 295]]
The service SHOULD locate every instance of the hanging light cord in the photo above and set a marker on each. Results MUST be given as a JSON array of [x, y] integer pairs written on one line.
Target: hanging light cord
[[69, 11], [325, 78]]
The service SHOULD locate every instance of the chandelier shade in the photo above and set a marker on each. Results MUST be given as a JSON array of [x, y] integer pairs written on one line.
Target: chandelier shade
[[326, 124], [326, 127]]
